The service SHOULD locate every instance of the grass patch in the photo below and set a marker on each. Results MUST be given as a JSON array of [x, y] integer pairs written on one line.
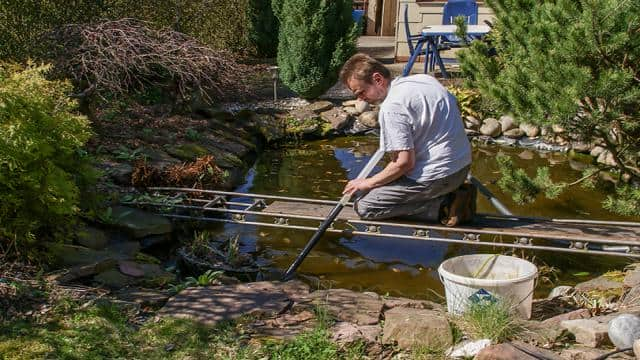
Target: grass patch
[[493, 320], [104, 331]]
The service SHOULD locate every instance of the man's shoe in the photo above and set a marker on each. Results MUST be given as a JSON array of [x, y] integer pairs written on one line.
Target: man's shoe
[[462, 207]]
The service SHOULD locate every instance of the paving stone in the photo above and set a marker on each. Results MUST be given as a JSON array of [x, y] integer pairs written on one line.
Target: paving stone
[[588, 332], [411, 328], [212, 304], [515, 350], [349, 306]]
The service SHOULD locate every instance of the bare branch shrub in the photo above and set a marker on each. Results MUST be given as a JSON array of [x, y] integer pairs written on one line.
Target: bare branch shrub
[[119, 56]]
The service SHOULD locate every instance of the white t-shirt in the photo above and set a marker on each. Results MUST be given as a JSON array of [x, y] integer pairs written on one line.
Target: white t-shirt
[[419, 113]]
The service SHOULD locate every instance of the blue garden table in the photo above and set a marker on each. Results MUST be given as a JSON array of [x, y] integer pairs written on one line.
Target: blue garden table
[[429, 38]]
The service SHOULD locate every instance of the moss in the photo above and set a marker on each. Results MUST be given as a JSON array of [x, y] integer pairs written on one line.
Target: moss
[[187, 152]]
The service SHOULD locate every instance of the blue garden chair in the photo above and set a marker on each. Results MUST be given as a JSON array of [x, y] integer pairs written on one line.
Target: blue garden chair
[[419, 41], [451, 10]]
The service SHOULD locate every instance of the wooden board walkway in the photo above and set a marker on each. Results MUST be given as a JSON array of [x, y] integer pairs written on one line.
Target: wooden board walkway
[[614, 238]]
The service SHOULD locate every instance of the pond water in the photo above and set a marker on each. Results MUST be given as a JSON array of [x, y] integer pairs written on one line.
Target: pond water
[[320, 169]]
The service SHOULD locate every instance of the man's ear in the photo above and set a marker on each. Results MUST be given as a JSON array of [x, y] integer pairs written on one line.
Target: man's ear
[[377, 78]]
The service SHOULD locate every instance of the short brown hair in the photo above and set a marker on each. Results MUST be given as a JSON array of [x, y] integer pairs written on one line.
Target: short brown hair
[[362, 67]]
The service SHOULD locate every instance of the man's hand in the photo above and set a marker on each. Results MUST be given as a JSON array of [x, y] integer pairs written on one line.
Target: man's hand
[[357, 185]]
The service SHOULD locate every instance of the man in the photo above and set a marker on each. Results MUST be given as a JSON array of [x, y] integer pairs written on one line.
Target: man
[[430, 155]]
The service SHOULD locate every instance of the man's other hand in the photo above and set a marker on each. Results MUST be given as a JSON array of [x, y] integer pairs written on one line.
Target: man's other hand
[[357, 185]]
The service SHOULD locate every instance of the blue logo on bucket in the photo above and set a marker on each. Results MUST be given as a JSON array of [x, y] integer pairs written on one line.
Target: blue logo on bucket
[[482, 296]]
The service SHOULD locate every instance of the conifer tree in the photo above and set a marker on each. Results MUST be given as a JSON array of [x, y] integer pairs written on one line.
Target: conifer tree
[[574, 63], [316, 37]]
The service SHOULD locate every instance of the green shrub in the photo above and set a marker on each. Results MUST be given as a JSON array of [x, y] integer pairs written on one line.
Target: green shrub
[[316, 37], [264, 25], [41, 156]]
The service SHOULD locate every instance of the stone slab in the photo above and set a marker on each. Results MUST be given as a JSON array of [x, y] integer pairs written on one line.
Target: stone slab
[[210, 305]]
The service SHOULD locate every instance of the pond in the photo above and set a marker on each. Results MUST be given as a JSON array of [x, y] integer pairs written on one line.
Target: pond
[[320, 169]]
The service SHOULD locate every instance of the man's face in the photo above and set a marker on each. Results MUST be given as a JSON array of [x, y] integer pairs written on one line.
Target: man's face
[[372, 92]]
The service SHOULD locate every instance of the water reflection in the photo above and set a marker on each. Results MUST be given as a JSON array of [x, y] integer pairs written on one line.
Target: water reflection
[[399, 266]]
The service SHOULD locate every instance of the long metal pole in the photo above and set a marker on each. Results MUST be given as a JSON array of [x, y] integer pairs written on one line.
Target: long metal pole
[[330, 218]]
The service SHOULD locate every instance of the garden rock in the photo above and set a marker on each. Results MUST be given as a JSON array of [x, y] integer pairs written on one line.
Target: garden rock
[[582, 353], [587, 331], [119, 172], [319, 107], [130, 268], [336, 117], [159, 159], [491, 127], [302, 115], [348, 333], [572, 315], [624, 330], [411, 328], [580, 146], [560, 291], [636, 348], [350, 103], [92, 238], [632, 277], [557, 129], [142, 296], [369, 119], [606, 158], [468, 349], [472, 122], [515, 350], [514, 133], [596, 151], [361, 106], [601, 283], [349, 306], [530, 130], [188, 151], [507, 123], [82, 271], [212, 304], [72, 255], [154, 240], [114, 279], [351, 110], [140, 223]]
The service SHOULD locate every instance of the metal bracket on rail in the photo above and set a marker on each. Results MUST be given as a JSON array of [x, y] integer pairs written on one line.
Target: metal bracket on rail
[[218, 200], [524, 241], [579, 245], [373, 229], [471, 237], [421, 233], [238, 217], [281, 221], [258, 204]]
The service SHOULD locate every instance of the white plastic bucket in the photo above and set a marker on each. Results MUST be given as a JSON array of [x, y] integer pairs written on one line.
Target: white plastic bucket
[[507, 278]]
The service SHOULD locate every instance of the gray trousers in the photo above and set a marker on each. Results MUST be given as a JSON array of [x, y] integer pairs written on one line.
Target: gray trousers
[[409, 199]]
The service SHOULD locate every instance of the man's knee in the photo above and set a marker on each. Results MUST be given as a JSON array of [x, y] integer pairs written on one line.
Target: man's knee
[[366, 211]]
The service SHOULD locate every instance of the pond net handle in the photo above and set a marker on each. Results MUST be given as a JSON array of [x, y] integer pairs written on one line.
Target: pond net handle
[[494, 201], [331, 217]]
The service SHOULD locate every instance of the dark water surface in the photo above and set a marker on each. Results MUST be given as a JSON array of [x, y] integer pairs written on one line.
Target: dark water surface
[[399, 267]]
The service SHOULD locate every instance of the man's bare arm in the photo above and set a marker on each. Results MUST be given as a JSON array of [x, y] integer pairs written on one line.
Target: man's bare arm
[[401, 163]]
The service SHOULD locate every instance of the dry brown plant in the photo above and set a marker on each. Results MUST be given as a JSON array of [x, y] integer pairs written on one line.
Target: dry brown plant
[[203, 173], [123, 55]]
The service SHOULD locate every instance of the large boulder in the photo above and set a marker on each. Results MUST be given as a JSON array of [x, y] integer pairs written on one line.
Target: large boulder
[[530, 130], [336, 117], [369, 119], [92, 238], [362, 106], [507, 123], [319, 107], [411, 328], [587, 331], [140, 223], [491, 127]]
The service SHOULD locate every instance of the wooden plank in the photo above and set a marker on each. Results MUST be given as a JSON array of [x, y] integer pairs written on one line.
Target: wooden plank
[[525, 227], [306, 209]]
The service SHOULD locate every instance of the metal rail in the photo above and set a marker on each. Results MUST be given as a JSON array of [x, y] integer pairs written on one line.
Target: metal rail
[[227, 207]]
